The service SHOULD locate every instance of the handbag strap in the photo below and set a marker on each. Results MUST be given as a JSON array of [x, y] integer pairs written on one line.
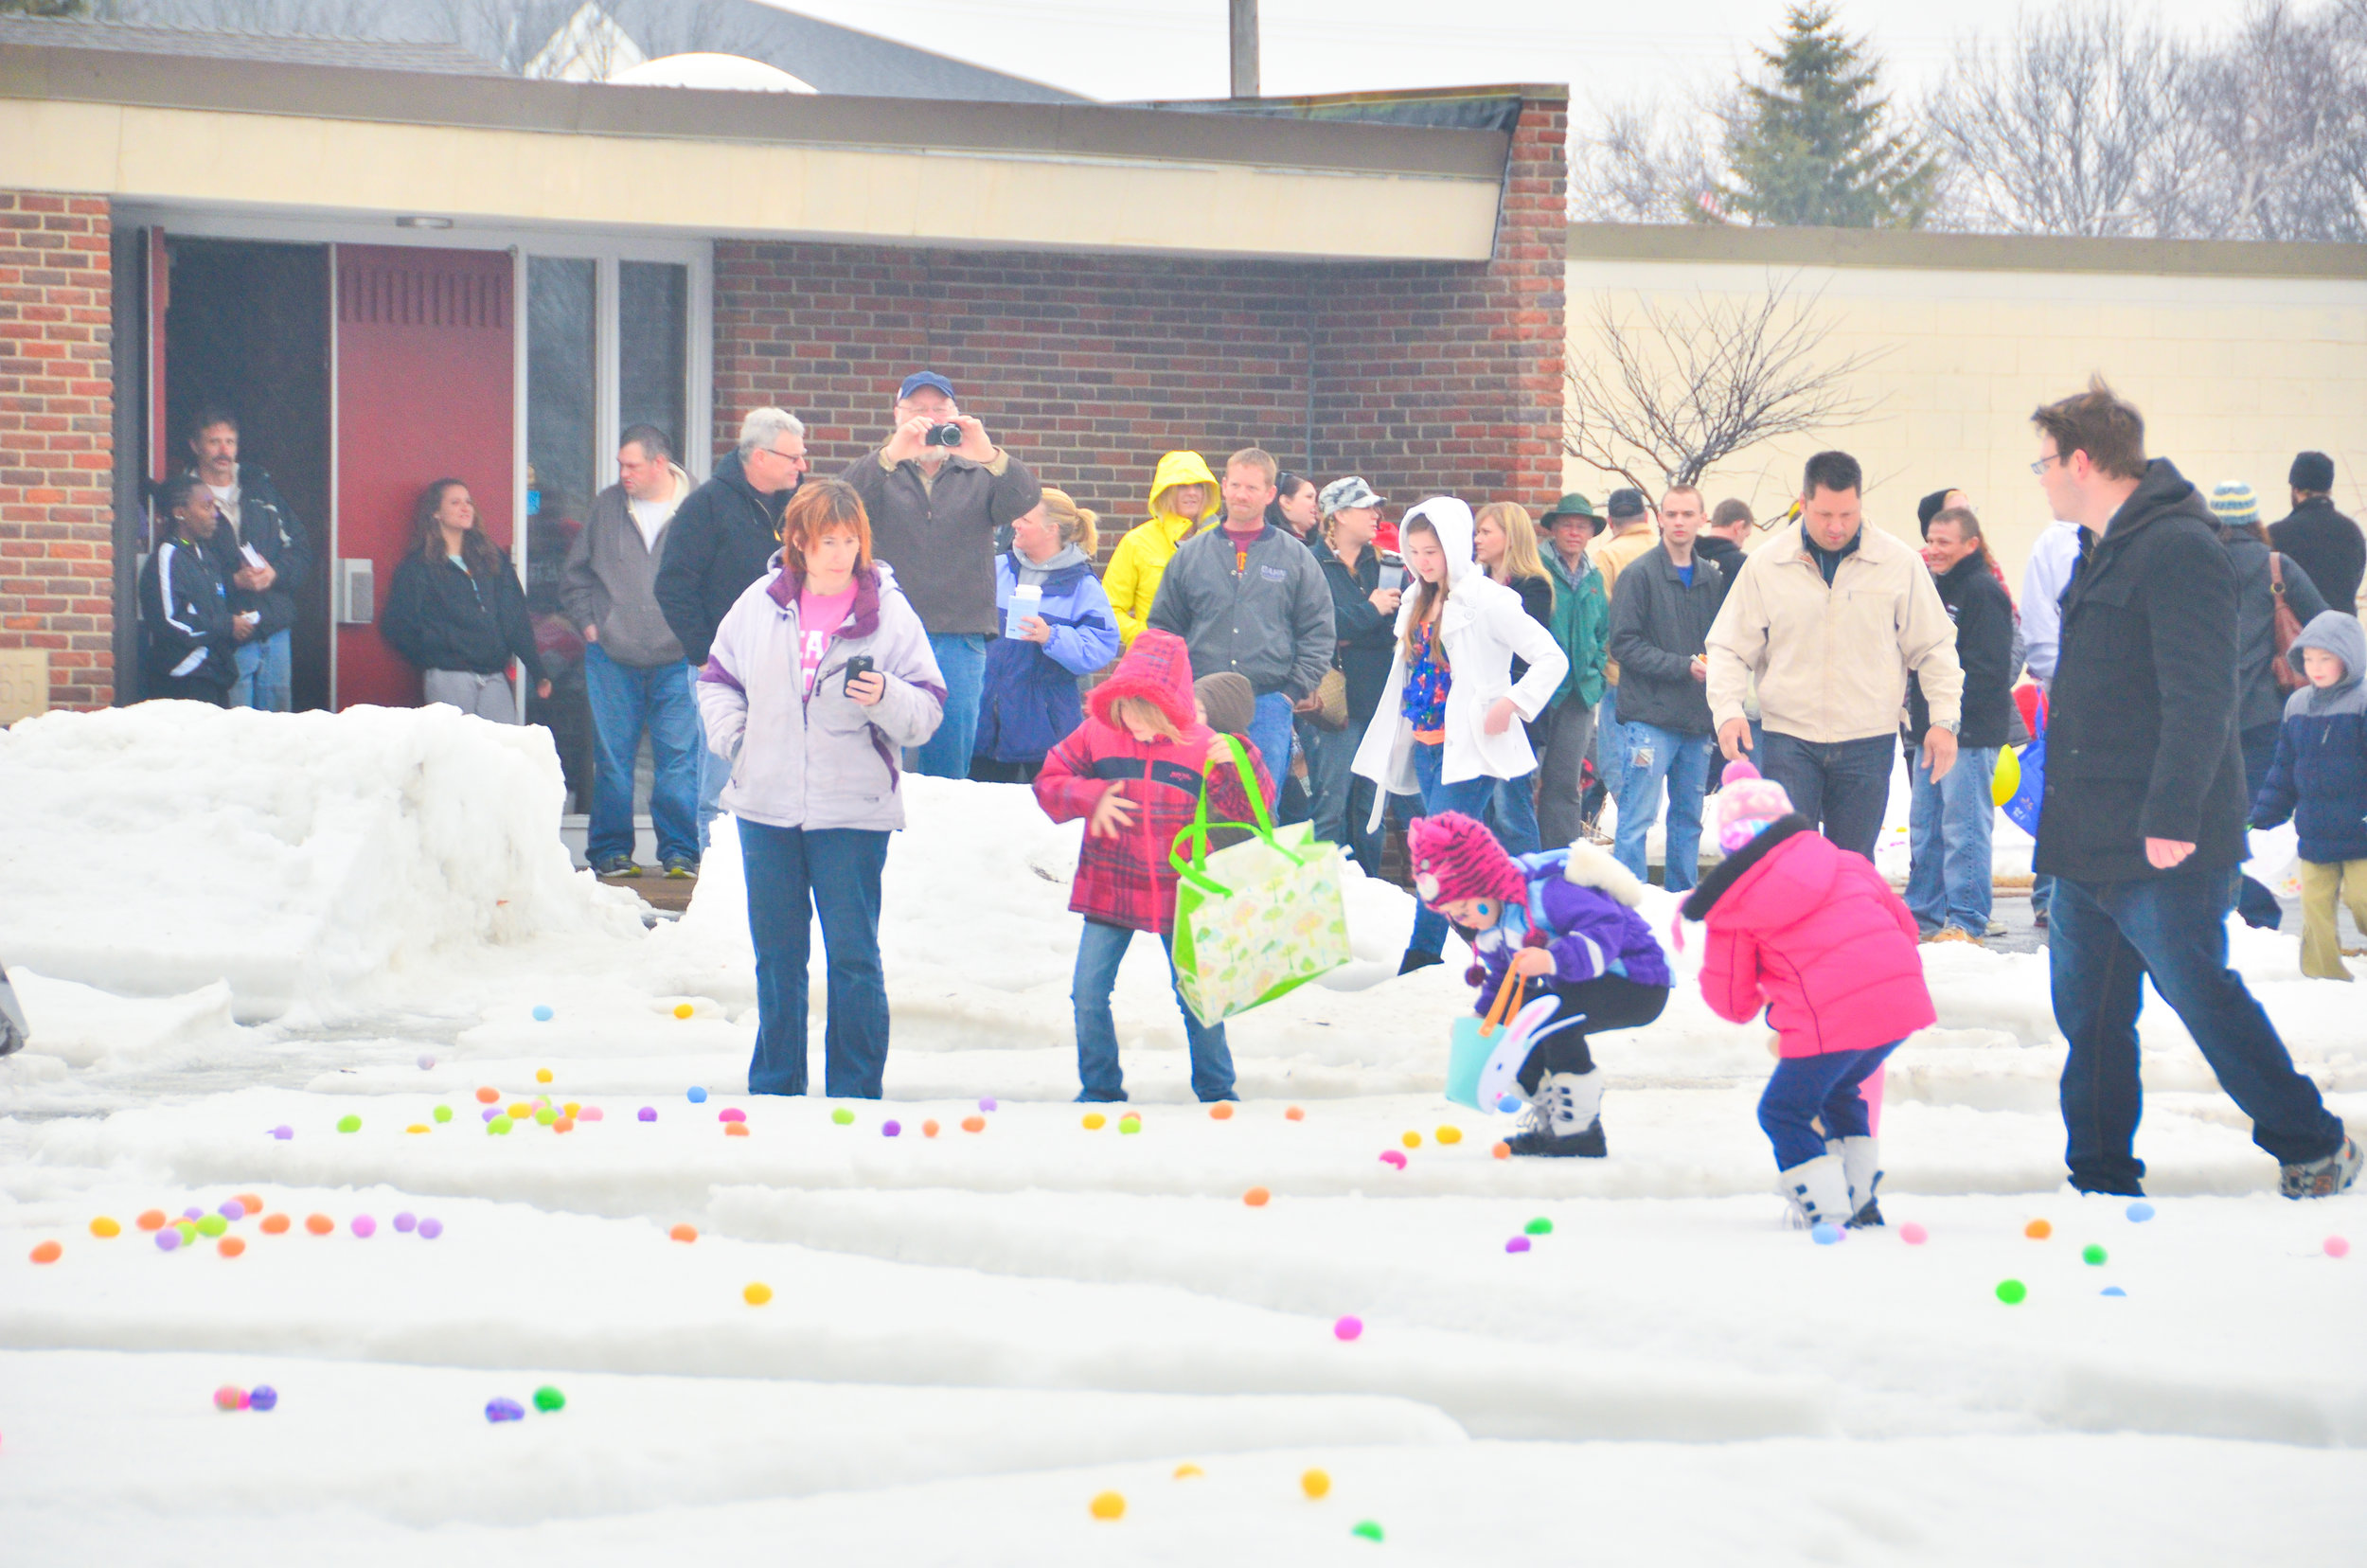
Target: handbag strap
[[1195, 870], [1501, 1013]]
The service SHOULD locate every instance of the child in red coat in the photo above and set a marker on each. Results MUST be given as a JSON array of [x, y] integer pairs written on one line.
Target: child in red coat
[[1811, 933], [1134, 768]]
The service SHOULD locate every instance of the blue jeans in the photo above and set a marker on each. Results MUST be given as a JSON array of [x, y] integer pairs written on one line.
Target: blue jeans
[[1099, 955], [794, 875], [1841, 786], [262, 679], [1470, 799], [1947, 828], [1512, 813], [714, 772], [1813, 1089], [624, 699], [1270, 730], [1610, 749], [2254, 902], [2106, 939], [1342, 802], [962, 660], [1654, 754]]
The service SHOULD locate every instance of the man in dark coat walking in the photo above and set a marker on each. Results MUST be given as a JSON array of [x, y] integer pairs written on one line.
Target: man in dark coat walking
[[2322, 541], [720, 540], [2141, 823]]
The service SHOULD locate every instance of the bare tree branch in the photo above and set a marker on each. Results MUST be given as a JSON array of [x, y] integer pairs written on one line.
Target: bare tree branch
[[1676, 389]]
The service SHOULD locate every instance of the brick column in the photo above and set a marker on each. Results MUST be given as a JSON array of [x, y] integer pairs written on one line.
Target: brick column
[[56, 441], [1447, 379]]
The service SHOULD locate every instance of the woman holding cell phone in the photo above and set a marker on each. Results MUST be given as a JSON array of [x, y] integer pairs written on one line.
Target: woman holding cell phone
[[818, 678]]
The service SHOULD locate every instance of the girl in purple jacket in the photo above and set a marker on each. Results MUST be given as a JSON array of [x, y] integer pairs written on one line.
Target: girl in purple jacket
[[1565, 923]]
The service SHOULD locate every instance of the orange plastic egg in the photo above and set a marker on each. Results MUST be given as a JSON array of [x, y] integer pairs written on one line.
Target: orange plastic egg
[[319, 1224], [274, 1224], [48, 1252]]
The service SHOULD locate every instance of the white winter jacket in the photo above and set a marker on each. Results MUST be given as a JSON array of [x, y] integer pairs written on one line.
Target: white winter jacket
[[826, 760], [1482, 628]]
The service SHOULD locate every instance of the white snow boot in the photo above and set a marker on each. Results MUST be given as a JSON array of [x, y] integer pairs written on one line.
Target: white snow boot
[[1862, 1167], [1816, 1192], [1571, 1126]]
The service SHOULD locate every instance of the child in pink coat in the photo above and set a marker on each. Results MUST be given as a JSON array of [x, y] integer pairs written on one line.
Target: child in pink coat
[[1811, 933]]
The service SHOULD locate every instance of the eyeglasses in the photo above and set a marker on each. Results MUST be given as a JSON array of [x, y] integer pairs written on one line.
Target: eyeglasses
[[796, 457], [2039, 467]]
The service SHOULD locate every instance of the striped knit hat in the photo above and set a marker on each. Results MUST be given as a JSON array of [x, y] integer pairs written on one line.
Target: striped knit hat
[[1457, 858], [1746, 804], [2234, 504]]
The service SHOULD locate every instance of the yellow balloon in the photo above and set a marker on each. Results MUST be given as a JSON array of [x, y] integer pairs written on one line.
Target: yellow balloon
[[2008, 780]]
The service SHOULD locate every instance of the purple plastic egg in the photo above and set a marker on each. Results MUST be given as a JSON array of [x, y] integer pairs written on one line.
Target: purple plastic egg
[[1518, 1244], [431, 1229], [406, 1223], [648, 1113], [232, 1209], [505, 1410], [262, 1396], [283, 1133], [167, 1238], [192, 1212], [364, 1226], [491, 1112], [889, 1129], [426, 1063], [986, 1104]]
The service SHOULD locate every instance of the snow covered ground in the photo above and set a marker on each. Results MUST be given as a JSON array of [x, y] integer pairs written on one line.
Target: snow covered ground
[[223, 925]]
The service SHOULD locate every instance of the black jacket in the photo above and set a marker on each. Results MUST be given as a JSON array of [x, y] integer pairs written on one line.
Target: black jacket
[[2140, 740], [184, 617], [1658, 624], [2329, 547], [1726, 554], [440, 618], [1536, 597], [266, 523], [721, 539], [1984, 647], [1365, 640], [2259, 700]]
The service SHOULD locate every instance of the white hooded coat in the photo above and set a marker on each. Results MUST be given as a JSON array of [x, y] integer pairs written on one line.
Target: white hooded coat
[[1482, 628]]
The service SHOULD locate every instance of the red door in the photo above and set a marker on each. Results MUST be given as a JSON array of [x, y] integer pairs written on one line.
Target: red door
[[426, 390]]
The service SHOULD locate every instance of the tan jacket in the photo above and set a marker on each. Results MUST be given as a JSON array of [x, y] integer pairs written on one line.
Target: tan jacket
[[1832, 663], [1614, 553]]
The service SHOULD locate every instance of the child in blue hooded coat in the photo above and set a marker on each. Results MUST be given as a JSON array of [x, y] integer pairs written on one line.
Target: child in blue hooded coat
[[2319, 780], [1029, 700]]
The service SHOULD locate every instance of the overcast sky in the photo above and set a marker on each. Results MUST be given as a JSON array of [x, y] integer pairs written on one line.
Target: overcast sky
[[1606, 51]]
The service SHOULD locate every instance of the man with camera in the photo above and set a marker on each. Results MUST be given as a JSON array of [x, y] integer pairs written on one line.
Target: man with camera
[[937, 493]]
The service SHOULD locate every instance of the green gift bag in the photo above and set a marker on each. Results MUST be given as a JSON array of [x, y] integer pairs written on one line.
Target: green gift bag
[[1257, 919]]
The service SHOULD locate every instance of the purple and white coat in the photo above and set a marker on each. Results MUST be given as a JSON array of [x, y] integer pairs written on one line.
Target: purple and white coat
[[823, 760]]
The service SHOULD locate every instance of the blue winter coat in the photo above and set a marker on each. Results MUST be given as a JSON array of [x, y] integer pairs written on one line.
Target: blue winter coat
[[1030, 701], [2320, 776]]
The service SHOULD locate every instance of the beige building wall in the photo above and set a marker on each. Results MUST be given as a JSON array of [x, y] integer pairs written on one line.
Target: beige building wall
[[2234, 370]]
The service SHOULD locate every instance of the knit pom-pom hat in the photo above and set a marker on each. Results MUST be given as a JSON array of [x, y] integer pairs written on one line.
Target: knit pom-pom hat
[[1746, 804], [1457, 858]]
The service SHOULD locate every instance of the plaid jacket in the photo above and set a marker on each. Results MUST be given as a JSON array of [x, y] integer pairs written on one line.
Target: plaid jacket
[[1126, 881]]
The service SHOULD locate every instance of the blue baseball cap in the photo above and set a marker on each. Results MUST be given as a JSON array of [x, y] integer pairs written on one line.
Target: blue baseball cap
[[919, 379]]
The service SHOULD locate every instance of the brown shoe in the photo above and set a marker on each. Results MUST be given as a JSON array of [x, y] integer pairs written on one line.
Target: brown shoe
[[1954, 934]]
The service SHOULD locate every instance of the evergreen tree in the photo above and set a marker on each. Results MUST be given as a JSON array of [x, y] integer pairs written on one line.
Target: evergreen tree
[[1811, 145]]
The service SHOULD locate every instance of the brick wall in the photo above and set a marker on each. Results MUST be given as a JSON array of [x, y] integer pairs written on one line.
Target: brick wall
[[1448, 378], [1426, 378], [55, 441], [1089, 366]]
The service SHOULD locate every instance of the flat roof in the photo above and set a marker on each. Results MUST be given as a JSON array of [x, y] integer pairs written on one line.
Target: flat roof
[[1927, 250], [56, 74]]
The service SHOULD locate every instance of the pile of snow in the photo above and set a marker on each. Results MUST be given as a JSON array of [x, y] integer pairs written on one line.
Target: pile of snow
[[164, 848]]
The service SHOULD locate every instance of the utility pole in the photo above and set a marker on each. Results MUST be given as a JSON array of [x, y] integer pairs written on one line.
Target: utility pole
[[1245, 48]]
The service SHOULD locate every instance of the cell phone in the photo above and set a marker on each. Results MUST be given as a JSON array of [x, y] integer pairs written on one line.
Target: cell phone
[[1393, 576], [857, 667]]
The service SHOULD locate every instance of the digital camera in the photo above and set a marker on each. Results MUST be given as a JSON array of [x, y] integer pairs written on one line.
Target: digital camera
[[943, 435]]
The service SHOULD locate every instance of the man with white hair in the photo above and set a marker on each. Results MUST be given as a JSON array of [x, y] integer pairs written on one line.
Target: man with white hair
[[720, 540]]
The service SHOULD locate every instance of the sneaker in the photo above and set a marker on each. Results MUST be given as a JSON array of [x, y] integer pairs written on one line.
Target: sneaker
[[1954, 934], [2039, 920], [677, 866], [2322, 1178], [1413, 961], [615, 866], [1997, 928]]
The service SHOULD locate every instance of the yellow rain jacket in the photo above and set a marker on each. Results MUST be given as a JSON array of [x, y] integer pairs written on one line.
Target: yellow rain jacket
[[1141, 558]]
